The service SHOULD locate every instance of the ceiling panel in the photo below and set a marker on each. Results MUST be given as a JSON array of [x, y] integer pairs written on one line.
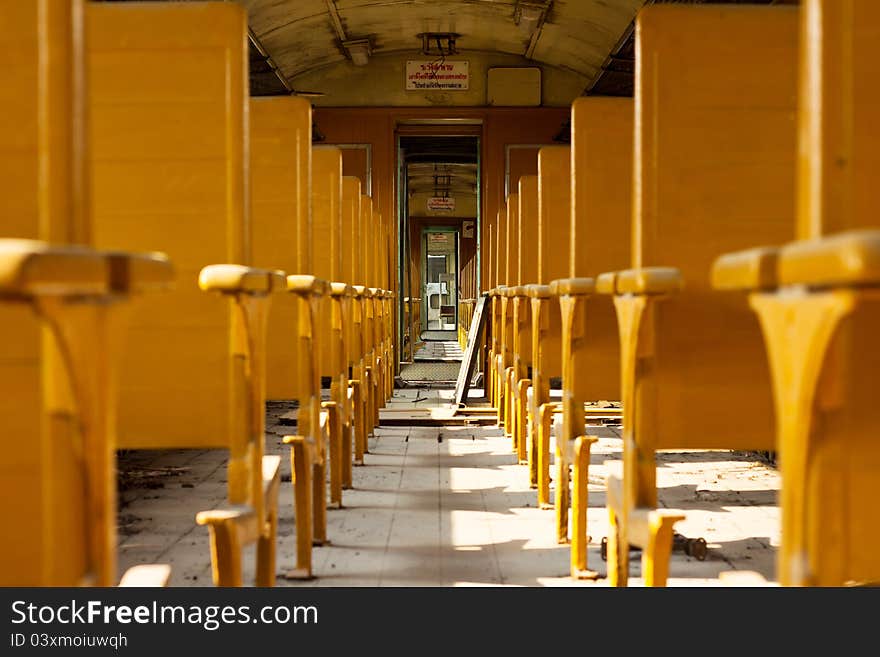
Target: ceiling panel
[[303, 35]]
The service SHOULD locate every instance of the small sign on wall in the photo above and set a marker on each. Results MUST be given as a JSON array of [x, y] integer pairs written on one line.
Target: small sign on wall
[[467, 230], [445, 75], [441, 203]]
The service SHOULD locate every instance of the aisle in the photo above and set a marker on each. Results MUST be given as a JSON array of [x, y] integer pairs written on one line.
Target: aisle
[[448, 506]]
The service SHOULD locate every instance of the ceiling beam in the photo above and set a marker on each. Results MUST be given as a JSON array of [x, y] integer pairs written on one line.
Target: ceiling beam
[[337, 22], [536, 34]]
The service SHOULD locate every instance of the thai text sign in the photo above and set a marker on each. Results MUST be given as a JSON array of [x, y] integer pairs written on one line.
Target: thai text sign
[[441, 203], [425, 74]]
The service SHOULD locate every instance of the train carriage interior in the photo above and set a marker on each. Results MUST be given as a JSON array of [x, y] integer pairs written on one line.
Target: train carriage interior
[[538, 293]]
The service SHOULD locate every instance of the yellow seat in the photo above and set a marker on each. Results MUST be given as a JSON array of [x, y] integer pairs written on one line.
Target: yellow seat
[[850, 258], [499, 308], [508, 275], [352, 261], [752, 269], [195, 361], [554, 175], [379, 262], [61, 317], [282, 175], [692, 359], [365, 298], [821, 321], [327, 210], [526, 273], [599, 240], [386, 312], [487, 362]]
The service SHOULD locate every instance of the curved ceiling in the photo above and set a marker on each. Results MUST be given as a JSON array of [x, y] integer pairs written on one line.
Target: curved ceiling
[[440, 166], [299, 36]]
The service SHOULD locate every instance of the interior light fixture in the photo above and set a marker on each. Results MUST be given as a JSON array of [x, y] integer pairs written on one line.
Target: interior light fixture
[[441, 44], [359, 50], [528, 14]]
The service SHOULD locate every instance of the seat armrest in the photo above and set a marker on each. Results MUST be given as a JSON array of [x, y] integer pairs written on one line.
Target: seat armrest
[[237, 279], [648, 281], [30, 267], [572, 287], [271, 470], [139, 272], [340, 289], [845, 259], [754, 269], [239, 517], [538, 291], [606, 283], [306, 284]]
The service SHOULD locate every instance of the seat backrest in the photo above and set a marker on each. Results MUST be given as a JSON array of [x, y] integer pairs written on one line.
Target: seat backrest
[[511, 271], [351, 212], [489, 253], [43, 161], [511, 274], [327, 241], [601, 185], [377, 248], [280, 166], [170, 174], [367, 233], [527, 227], [714, 172], [501, 247], [351, 253], [839, 143], [601, 219], [554, 203], [527, 255]]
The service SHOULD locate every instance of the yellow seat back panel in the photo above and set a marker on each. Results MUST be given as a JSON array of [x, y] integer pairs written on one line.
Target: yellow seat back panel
[[527, 226], [839, 144], [42, 180], [714, 173], [326, 241], [601, 219], [368, 235], [500, 245], [839, 173], [554, 210], [280, 166], [351, 213], [169, 174]]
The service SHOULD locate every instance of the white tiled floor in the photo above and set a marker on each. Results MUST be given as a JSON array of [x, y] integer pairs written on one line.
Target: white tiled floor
[[449, 506]]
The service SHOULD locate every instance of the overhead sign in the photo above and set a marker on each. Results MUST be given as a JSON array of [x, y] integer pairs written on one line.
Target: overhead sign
[[426, 74], [441, 203]]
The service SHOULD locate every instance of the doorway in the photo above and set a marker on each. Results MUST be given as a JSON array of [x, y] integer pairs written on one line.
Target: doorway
[[439, 208], [439, 214], [440, 287]]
